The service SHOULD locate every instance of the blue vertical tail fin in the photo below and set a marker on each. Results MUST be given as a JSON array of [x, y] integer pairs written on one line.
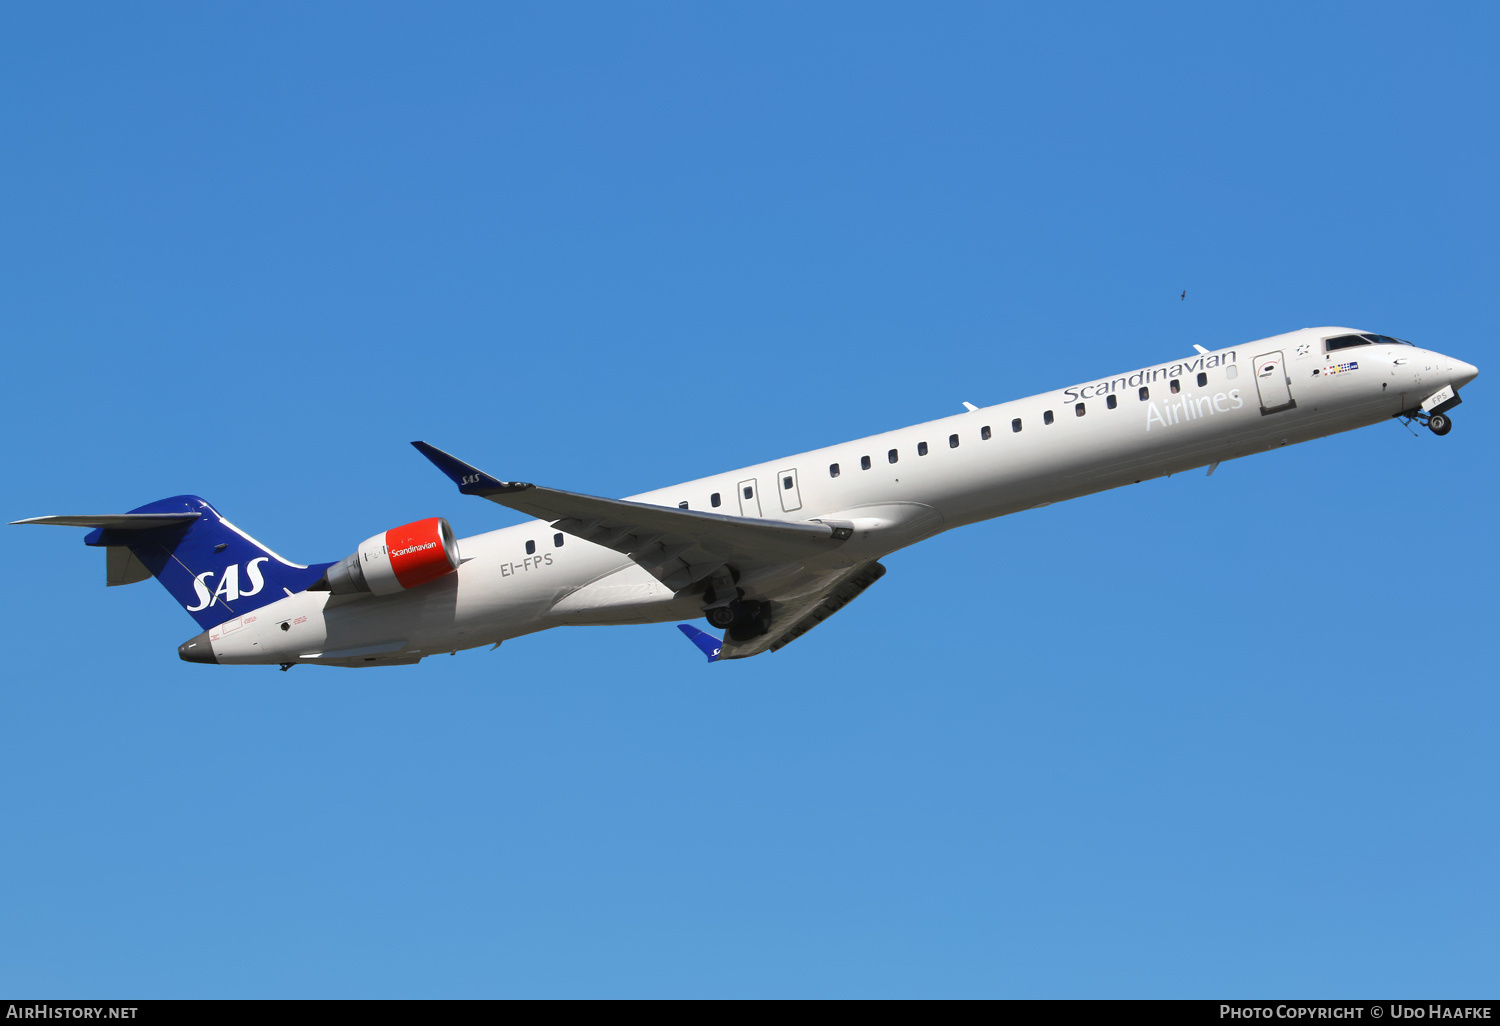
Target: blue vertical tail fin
[[212, 568]]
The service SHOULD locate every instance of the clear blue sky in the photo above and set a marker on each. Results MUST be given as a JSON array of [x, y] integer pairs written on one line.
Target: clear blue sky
[[1200, 737]]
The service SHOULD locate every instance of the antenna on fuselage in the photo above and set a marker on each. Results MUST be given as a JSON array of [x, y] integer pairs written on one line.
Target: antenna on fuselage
[[970, 407], [1201, 350]]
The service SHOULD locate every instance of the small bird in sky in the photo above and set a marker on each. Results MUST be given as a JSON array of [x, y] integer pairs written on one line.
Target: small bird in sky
[[1183, 296]]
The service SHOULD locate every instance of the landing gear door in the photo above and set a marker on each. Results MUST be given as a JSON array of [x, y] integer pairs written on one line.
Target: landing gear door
[[791, 497], [749, 499], [1274, 386]]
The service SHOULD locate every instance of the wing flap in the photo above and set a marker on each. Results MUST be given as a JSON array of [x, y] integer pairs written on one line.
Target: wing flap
[[792, 619]]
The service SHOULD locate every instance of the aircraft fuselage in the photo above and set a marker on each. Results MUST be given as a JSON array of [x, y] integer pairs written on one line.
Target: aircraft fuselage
[[895, 489]]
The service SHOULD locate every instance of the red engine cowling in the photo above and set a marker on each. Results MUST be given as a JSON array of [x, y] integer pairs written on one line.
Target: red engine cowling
[[403, 557]]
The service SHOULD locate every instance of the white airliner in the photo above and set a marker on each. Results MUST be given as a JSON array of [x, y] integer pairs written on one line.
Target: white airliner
[[767, 552]]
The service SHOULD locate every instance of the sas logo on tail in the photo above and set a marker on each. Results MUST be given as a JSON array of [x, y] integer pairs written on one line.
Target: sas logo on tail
[[228, 588]]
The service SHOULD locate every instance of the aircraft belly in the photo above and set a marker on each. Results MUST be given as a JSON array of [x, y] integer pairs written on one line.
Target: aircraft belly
[[459, 611], [627, 594]]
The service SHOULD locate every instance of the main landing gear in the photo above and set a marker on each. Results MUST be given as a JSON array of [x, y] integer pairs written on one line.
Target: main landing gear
[[743, 619]]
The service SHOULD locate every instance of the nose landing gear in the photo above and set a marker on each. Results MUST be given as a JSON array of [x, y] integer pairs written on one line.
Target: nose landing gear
[[1438, 423]]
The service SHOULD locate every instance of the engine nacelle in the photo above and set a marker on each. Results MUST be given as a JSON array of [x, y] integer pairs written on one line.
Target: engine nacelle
[[403, 557]]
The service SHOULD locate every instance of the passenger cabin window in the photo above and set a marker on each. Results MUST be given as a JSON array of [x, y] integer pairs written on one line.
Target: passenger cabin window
[[984, 432], [1047, 417], [892, 456], [749, 492], [833, 470], [1015, 425], [921, 448], [713, 500], [557, 540], [1176, 386], [1079, 410], [1145, 393], [864, 463], [953, 441], [1202, 379], [1231, 372], [786, 483], [531, 548], [1111, 402], [682, 505]]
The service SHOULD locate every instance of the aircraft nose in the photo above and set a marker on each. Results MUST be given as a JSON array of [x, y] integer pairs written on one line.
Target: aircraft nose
[[197, 650], [1463, 373]]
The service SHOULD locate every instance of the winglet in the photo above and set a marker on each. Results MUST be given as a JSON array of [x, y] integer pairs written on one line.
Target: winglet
[[707, 643], [470, 480]]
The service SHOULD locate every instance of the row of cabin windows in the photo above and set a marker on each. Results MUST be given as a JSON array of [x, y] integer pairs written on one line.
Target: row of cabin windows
[[557, 540], [716, 500], [1079, 410]]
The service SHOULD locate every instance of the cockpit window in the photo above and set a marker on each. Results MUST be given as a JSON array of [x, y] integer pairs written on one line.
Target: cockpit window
[[1348, 341]]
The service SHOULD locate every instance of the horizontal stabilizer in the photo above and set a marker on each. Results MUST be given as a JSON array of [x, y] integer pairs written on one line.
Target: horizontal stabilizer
[[116, 521]]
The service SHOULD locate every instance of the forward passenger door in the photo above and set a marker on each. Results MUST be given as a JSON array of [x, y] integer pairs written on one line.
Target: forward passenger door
[[1273, 384]]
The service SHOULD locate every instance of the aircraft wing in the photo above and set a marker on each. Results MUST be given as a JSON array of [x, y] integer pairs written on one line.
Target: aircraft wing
[[795, 615], [677, 546]]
